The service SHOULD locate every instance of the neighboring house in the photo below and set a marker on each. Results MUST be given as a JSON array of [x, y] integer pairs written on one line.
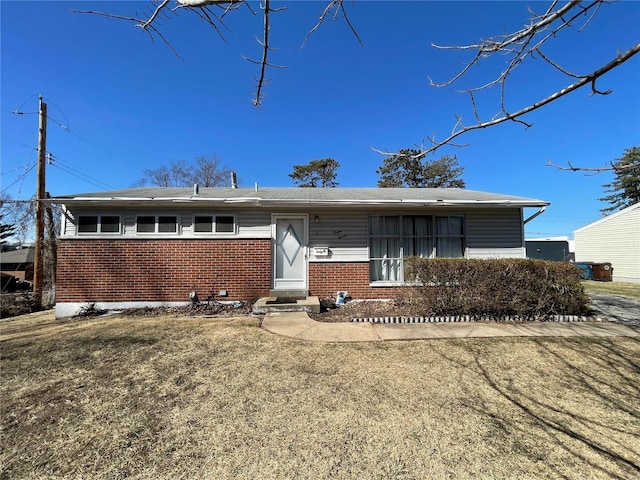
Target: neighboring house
[[153, 246], [559, 249], [613, 239], [18, 263]]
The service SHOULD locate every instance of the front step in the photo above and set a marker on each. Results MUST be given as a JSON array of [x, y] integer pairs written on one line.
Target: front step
[[297, 294], [287, 304]]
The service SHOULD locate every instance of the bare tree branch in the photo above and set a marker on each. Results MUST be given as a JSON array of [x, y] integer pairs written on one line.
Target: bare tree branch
[[608, 166], [146, 24], [515, 116], [520, 45], [264, 61], [332, 9]]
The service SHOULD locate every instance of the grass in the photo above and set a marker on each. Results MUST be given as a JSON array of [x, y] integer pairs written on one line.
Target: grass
[[613, 288], [213, 398]]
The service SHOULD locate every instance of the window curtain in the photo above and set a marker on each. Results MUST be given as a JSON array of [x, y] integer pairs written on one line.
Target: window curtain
[[385, 248], [450, 236], [418, 233]]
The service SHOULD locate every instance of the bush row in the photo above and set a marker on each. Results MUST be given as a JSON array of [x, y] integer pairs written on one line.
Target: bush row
[[494, 288]]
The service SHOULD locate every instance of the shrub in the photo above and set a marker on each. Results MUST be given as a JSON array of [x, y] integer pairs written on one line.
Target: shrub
[[494, 288]]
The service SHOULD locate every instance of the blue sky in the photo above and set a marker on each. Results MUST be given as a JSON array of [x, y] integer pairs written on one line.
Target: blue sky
[[128, 104]]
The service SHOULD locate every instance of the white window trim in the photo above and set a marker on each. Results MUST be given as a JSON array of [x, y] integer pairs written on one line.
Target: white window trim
[[213, 224], [99, 224], [156, 232]]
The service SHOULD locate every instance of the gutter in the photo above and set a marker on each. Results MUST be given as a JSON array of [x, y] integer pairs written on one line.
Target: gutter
[[301, 202]]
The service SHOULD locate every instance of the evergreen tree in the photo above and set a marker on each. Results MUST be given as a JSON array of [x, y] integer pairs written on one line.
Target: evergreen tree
[[6, 230], [408, 169], [624, 190], [316, 173]]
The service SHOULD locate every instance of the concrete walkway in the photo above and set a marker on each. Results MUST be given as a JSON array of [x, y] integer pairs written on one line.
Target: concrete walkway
[[298, 325]]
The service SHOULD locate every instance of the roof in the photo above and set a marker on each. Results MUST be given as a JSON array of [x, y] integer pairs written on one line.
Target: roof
[[619, 213], [21, 255], [295, 196]]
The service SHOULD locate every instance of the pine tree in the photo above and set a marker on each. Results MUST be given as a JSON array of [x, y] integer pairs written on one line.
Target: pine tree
[[317, 173], [6, 231], [624, 190], [408, 169]]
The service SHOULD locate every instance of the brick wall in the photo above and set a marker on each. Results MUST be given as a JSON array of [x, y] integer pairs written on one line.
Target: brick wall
[[167, 270], [325, 279], [161, 270]]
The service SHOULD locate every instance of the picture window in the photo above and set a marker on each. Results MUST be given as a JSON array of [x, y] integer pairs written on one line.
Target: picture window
[[391, 238]]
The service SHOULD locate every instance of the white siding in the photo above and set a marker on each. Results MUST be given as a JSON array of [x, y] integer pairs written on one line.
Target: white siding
[[614, 239]]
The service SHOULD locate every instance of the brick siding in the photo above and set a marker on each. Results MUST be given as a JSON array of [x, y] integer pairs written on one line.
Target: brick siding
[[161, 270], [167, 270], [325, 279]]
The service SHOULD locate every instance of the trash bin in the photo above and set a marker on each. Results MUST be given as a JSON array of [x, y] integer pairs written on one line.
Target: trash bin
[[586, 272], [602, 272]]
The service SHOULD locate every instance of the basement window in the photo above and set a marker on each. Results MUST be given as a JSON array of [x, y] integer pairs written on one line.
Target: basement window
[[214, 224], [157, 224], [103, 224]]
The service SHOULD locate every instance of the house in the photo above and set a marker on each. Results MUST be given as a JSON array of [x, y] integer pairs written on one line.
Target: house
[[18, 263], [613, 239], [559, 249], [153, 246]]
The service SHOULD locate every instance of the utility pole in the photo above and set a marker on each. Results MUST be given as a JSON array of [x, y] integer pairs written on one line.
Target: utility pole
[[38, 263]]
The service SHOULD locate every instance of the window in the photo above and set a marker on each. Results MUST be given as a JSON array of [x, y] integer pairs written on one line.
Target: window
[[99, 224], [214, 224], [449, 236], [157, 224], [391, 238], [385, 254]]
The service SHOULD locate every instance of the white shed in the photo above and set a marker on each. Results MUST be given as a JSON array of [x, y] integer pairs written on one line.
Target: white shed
[[614, 239]]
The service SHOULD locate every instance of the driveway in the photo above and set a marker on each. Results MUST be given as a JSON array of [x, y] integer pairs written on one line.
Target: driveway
[[623, 310]]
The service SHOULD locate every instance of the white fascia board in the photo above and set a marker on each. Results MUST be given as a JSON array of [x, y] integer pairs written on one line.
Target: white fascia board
[[416, 203], [295, 202], [607, 218]]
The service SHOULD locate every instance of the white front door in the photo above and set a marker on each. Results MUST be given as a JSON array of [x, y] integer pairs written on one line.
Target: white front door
[[289, 252]]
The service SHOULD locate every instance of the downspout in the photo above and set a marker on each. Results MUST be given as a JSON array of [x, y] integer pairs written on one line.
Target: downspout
[[539, 212]]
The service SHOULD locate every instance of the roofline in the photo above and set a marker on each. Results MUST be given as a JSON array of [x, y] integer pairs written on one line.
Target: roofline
[[296, 202], [608, 217]]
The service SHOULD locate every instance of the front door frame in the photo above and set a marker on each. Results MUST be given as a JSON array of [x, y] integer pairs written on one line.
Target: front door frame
[[279, 284]]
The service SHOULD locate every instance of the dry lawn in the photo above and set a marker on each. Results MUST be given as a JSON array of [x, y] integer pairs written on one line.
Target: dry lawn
[[212, 398], [613, 288]]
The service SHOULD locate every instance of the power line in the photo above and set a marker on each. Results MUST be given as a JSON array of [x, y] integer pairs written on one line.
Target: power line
[[20, 178], [24, 167], [17, 110], [51, 102], [55, 162], [5, 139], [67, 129]]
